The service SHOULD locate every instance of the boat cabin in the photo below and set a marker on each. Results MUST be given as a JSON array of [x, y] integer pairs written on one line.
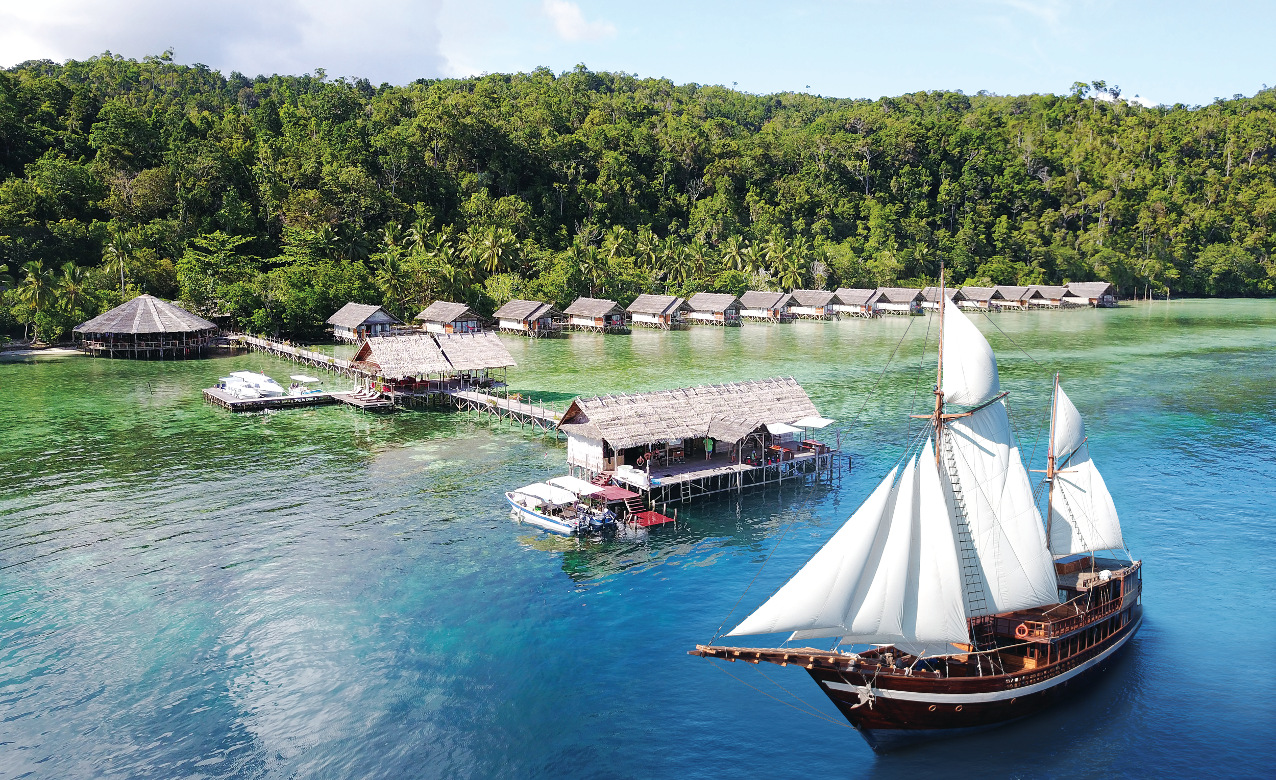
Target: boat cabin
[[448, 317], [765, 306], [897, 300], [714, 309], [854, 301], [813, 305], [597, 314], [664, 312], [1097, 294], [355, 322], [528, 318]]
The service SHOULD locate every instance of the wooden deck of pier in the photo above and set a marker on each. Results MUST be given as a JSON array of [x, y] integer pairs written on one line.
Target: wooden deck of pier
[[297, 354], [536, 415], [682, 482], [235, 404]]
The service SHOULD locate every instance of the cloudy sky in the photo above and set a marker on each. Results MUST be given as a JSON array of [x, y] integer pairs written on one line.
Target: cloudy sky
[[1168, 51]]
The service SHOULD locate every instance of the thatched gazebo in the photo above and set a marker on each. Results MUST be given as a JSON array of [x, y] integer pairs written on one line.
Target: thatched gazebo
[[146, 327], [399, 358], [477, 356]]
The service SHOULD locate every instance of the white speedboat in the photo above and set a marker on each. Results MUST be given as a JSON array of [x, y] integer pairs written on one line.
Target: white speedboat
[[250, 384], [303, 384], [557, 510]]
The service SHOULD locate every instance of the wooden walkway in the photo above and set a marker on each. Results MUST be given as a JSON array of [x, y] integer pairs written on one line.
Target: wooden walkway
[[236, 404], [297, 354], [536, 415]]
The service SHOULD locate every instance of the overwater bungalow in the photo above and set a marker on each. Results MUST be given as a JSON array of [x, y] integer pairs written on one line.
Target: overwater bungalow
[[930, 296], [1097, 294], [1014, 297], [1049, 296], [664, 312], [980, 299], [897, 300], [673, 445], [597, 315], [714, 309], [813, 305], [355, 322], [447, 317], [529, 318], [477, 358], [146, 327], [765, 306], [857, 302], [402, 360]]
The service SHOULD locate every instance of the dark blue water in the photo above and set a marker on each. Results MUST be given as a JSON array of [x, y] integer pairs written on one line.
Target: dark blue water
[[324, 593]]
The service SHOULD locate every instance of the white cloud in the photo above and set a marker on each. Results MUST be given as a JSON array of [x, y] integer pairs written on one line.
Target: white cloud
[[383, 40], [570, 22]]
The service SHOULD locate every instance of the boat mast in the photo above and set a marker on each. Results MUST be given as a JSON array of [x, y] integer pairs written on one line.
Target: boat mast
[[939, 372], [1050, 464]]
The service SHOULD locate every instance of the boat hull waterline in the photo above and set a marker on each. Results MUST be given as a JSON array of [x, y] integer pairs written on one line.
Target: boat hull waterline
[[901, 718], [544, 522]]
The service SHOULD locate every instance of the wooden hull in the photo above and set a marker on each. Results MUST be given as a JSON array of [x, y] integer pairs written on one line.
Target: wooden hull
[[894, 712]]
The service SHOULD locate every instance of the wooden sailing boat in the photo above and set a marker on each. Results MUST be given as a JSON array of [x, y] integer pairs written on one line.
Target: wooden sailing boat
[[976, 614]]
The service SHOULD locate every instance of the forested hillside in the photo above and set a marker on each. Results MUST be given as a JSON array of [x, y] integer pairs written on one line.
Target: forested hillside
[[274, 200]]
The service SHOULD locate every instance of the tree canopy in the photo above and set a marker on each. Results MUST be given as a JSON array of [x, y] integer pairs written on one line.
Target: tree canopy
[[273, 200]]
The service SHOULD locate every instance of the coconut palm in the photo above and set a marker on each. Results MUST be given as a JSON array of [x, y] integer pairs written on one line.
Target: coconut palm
[[117, 255], [72, 288], [647, 247], [754, 259], [732, 252], [616, 242], [492, 249], [591, 262], [38, 289], [418, 237], [392, 234], [391, 278]]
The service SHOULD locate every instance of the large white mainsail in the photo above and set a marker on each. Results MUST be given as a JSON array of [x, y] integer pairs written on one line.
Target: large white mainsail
[[890, 575], [1083, 517], [969, 368]]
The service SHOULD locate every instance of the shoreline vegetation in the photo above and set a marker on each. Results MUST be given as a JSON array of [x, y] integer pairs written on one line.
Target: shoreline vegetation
[[270, 202]]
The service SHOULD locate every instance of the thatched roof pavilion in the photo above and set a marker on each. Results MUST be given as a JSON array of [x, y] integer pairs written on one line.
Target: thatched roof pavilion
[[766, 306], [930, 296], [1052, 296], [399, 357], [146, 327], [855, 301], [897, 300], [732, 410], [475, 351], [982, 298], [813, 304], [448, 317], [358, 321], [1016, 297]]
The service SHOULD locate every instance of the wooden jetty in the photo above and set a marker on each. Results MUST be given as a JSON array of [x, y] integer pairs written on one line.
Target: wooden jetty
[[535, 415], [301, 355]]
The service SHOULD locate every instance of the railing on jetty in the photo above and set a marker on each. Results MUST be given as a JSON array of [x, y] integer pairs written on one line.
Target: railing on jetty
[[304, 356], [525, 412]]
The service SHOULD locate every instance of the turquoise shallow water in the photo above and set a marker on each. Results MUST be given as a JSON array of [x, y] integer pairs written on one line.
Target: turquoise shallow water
[[324, 593]]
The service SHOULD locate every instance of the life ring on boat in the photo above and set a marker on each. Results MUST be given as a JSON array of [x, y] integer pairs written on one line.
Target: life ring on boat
[[1021, 631]]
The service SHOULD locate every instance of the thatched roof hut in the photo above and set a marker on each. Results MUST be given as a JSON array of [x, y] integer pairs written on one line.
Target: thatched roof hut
[[448, 317], [1015, 296], [983, 298], [597, 314], [1052, 295], [766, 306], [854, 300], [813, 304], [146, 327], [930, 296], [732, 411], [658, 311], [400, 357], [1092, 294], [357, 321], [475, 351], [527, 318], [714, 308], [897, 300]]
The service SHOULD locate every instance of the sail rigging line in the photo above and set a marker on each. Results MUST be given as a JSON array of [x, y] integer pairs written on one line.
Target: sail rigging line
[[782, 701], [921, 362]]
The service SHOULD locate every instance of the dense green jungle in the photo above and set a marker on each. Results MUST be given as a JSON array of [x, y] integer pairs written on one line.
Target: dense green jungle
[[271, 201]]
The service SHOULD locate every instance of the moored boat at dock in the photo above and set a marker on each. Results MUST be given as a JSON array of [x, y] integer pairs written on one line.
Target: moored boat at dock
[[559, 510], [954, 606]]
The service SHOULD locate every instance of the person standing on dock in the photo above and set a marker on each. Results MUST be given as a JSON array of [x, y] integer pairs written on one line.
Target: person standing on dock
[[708, 449]]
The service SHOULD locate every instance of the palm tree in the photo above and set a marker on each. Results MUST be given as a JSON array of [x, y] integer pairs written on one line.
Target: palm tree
[[116, 256], [493, 249], [391, 279], [328, 242], [392, 234], [697, 255], [647, 247], [754, 259], [419, 235], [777, 251], [732, 252], [37, 289], [591, 262], [616, 242], [792, 272], [73, 288]]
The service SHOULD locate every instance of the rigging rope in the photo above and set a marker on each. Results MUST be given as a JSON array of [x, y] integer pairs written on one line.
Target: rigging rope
[[782, 701]]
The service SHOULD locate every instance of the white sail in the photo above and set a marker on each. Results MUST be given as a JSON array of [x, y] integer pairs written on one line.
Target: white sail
[[819, 594], [1083, 515], [939, 614], [1004, 524], [895, 580], [1069, 430], [970, 370]]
